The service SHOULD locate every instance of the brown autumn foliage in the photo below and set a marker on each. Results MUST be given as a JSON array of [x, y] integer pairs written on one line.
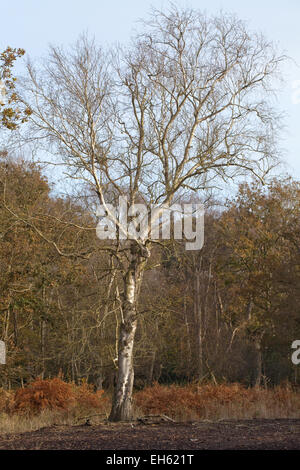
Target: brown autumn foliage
[[12, 113], [181, 403], [86, 398], [55, 394], [41, 394], [218, 401]]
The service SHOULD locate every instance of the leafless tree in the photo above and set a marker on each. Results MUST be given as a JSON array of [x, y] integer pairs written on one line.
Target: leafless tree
[[188, 102]]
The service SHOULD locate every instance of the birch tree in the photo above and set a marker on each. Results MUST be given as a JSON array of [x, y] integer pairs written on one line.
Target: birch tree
[[188, 102]]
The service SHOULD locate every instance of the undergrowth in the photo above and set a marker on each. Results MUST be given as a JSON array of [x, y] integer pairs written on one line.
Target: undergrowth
[[47, 402], [53, 401], [214, 402]]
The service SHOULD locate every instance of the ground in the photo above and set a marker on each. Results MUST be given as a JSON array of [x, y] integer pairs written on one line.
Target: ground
[[253, 434]]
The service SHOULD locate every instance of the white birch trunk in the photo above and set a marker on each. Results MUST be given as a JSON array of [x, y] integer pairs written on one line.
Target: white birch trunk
[[122, 400]]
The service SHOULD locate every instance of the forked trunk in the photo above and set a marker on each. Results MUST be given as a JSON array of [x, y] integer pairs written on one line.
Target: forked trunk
[[122, 400]]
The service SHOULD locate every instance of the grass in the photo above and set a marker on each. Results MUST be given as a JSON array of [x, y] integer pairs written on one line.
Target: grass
[[16, 423]]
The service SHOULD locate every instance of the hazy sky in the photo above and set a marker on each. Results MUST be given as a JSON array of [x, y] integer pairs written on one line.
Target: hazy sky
[[33, 24]]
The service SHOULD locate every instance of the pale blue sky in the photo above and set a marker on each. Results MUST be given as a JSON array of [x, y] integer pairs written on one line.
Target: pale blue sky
[[33, 24]]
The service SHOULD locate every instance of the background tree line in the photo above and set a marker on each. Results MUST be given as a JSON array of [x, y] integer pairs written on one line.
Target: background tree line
[[226, 313]]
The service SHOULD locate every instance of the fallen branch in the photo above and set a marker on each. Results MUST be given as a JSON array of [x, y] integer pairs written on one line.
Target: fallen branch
[[151, 419]]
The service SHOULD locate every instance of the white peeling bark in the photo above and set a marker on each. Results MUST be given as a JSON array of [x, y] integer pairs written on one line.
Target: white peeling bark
[[122, 400]]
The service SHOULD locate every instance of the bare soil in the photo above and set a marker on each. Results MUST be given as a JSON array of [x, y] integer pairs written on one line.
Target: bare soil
[[257, 434]]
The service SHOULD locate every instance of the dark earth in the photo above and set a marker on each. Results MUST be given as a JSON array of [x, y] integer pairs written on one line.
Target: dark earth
[[256, 434]]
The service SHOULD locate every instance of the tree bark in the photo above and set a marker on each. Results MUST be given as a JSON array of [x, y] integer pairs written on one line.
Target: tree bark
[[151, 369], [188, 335], [122, 399], [258, 378], [198, 312]]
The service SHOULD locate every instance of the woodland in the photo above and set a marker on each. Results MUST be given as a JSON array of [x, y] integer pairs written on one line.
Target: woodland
[[185, 109]]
